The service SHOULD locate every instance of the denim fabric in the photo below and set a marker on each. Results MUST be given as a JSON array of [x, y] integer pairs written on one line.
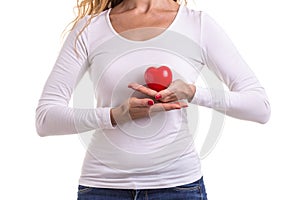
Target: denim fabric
[[191, 191]]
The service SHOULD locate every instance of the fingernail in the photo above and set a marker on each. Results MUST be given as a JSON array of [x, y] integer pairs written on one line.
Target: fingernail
[[150, 103], [158, 96]]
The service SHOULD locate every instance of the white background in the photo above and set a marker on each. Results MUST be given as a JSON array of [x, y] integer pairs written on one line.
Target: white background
[[250, 161]]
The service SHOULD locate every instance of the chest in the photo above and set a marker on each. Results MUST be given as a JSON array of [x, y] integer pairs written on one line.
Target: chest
[[142, 26]]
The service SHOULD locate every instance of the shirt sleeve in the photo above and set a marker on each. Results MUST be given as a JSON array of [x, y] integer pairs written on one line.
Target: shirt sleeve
[[246, 98], [53, 114]]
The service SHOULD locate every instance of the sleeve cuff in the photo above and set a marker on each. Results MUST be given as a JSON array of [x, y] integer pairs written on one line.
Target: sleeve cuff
[[103, 116], [202, 97]]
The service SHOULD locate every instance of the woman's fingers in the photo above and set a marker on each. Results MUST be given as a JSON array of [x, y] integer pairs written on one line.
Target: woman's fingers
[[142, 89], [142, 107], [158, 107], [135, 108], [166, 96], [176, 91], [136, 102]]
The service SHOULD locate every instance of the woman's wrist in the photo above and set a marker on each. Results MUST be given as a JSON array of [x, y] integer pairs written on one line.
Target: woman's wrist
[[112, 119], [192, 92]]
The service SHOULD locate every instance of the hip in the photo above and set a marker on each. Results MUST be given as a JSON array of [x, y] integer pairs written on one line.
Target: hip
[[192, 191]]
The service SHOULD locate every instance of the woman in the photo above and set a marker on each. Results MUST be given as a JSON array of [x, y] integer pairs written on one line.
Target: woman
[[142, 147]]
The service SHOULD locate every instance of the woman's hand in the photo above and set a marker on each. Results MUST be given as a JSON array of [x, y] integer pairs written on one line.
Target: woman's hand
[[135, 108], [177, 90]]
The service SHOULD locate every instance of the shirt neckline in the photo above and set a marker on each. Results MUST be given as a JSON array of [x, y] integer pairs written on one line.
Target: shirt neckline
[[141, 41]]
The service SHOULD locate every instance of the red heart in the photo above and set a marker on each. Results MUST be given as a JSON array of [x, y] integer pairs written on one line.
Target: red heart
[[158, 78]]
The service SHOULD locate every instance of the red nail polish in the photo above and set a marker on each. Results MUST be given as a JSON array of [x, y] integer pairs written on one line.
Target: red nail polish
[[150, 103], [157, 96]]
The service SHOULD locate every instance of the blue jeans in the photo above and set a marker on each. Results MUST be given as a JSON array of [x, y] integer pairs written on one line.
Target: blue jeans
[[191, 191]]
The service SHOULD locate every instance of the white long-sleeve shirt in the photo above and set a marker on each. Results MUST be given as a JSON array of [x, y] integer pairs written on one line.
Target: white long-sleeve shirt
[[145, 153]]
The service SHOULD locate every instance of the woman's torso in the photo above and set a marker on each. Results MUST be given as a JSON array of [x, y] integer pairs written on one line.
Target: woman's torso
[[151, 152]]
